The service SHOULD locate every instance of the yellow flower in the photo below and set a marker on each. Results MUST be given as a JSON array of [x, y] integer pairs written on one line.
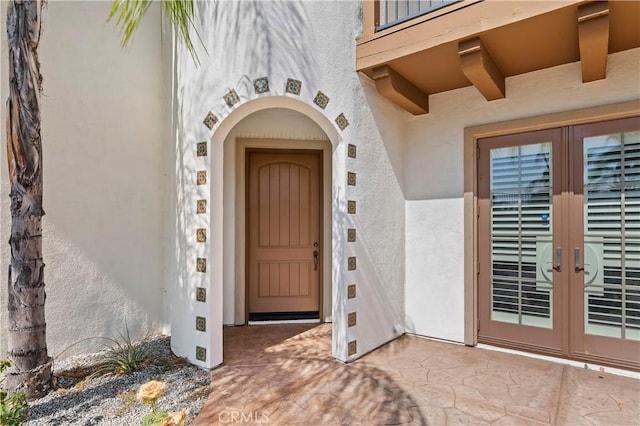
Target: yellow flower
[[151, 391], [178, 418]]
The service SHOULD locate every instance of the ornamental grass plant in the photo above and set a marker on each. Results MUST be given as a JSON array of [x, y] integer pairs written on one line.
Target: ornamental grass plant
[[14, 409]]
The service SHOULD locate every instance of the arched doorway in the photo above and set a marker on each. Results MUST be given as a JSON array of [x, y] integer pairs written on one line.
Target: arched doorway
[[277, 124]]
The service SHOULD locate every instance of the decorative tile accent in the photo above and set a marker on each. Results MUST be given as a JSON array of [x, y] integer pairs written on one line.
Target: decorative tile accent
[[351, 263], [351, 207], [351, 291], [202, 149], [351, 151], [352, 347], [351, 178], [293, 86], [201, 178], [351, 235], [261, 85], [201, 206], [201, 353], [201, 294], [201, 264], [342, 121], [201, 323], [210, 120], [231, 98], [201, 235], [321, 100], [351, 319]]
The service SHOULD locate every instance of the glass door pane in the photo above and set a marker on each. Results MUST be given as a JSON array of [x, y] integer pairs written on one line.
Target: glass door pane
[[521, 244], [611, 258]]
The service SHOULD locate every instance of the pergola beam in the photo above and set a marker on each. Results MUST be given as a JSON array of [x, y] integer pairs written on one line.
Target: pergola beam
[[400, 91], [593, 37], [480, 68]]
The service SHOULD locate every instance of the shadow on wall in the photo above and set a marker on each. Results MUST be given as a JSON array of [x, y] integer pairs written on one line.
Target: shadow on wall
[[258, 38], [381, 298], [391, 123], [247, 38], [103, 166], [244, 40], [338, 259]]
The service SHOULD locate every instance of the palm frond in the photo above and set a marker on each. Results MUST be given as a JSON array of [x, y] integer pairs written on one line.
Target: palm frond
[[180, 14]]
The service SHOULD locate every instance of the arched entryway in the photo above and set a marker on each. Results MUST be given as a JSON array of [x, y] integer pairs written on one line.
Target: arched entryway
[[278, 125]]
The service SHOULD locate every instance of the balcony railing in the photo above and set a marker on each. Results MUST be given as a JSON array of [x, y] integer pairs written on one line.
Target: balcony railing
[[393, 12]]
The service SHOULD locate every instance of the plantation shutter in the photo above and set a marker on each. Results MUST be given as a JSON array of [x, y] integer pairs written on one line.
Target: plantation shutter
[[521, 185], [612, 220]]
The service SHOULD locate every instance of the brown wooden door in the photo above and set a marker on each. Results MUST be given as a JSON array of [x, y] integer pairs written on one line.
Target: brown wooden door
[[559, 241], [284, 235]]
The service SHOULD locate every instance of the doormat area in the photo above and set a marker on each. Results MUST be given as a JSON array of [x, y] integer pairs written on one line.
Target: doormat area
[[284, 316]]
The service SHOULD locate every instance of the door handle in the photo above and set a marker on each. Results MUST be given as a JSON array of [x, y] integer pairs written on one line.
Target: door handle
[[315, 259], [576, 260], [558, 261]]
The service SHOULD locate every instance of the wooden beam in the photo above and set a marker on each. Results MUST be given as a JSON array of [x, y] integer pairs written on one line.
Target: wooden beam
[[370, 18], [593, 37], [449, 24], [480, 68], [400, 91]]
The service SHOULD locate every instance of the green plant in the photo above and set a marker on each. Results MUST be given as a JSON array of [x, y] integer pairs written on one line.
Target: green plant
[[149, 393], [155, 418], [164, 418], [13, 408], [126, 356]]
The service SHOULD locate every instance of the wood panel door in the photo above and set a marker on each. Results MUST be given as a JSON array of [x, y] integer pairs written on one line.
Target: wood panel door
[[284, 253]]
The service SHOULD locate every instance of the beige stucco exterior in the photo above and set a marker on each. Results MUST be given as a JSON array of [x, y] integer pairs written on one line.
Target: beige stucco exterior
[[121, 130], [104, 146]]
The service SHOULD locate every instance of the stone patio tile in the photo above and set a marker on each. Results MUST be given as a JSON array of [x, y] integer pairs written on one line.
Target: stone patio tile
[[410, 375], [462, 391], [435, 394], [428, 415], [531, 414], [285, 374], [481, 409], [613, 418], [538, 397], [490, 388], [404, 362], [444, 377], [513, 421], [457, 417], [391, 414]]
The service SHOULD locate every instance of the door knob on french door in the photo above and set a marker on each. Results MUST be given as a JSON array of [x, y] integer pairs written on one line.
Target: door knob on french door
[[558, 260], [315, 259], [576, 260]]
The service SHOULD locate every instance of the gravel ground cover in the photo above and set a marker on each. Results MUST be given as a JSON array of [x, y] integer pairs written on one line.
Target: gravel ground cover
[[111, 400]]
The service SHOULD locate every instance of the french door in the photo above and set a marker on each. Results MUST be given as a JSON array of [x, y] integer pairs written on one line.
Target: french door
[[559, 241]]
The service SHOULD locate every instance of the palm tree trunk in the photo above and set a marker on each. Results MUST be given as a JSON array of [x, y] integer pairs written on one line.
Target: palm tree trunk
[[27, 327]]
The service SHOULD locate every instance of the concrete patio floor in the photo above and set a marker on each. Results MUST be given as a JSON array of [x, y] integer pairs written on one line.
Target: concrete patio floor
[[284, 375]]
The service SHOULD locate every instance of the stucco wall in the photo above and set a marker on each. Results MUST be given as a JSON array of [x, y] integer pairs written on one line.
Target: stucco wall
[[280, 40], [434, 176], [103, 142]]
